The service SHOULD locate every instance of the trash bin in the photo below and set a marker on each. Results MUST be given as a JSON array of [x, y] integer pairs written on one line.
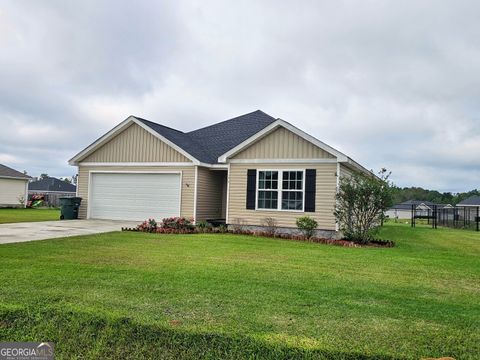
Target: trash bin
[[69, 207]]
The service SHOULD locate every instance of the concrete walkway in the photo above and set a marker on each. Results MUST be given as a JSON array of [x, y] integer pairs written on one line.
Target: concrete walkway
[[28, 231]]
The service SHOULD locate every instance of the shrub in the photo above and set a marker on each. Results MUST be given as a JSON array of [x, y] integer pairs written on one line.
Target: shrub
[[270, 225], [149, 225], [177, 223], [203, 226], [307, 226], [222, 229]]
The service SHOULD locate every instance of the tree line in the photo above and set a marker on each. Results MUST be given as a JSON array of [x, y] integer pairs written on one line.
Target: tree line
[[417, 193]]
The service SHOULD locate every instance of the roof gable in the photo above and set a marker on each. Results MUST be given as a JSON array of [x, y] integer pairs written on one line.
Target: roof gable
[[122, 126], [282, 143], [135, 144], [273, 126]]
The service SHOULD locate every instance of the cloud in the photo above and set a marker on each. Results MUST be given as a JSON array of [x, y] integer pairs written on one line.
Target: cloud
[[392, 84]]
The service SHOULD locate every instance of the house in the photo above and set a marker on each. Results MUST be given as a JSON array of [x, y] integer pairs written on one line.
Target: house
[[469, 208], [52, 188], [13, 187], [422, 208], [472, 201], [404, 210], [241, 170]]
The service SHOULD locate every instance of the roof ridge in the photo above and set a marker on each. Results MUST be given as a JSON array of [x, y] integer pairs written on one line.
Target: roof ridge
[[153, 122], [234, 118]]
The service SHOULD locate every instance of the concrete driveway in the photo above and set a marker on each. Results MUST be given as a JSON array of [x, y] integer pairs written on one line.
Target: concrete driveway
[[28, 231]]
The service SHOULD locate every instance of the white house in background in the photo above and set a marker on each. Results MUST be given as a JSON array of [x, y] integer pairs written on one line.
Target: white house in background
[[404, 210], [13, 187]]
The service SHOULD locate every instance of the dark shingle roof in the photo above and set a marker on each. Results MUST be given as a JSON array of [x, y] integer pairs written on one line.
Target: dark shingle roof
[[407, 205], [5, 171], [208, 143], [471, 201], [51, 184]]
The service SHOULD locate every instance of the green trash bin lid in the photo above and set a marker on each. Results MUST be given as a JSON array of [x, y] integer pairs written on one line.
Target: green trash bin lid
[[70, 201]]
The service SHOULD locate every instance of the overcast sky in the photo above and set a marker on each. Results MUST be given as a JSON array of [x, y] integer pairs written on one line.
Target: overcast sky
[[392, 84]]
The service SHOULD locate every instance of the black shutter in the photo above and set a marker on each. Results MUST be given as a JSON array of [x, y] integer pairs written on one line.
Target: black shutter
[[251, 188], [310, 189]]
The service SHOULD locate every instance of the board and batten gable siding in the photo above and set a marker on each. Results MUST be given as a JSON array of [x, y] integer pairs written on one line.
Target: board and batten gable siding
[[283, 144], [135, 144], [326, 182], [11, 190], [210, 194], [188, 184]]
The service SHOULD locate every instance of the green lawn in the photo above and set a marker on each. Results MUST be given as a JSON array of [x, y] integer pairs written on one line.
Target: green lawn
[[134, 295], [25, 215]]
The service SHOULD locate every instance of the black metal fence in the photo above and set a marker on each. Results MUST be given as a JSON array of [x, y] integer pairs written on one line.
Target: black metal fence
[[459, 217]]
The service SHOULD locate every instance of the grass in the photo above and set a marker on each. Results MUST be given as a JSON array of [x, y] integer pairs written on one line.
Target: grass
[[135, 295], [26, 215]]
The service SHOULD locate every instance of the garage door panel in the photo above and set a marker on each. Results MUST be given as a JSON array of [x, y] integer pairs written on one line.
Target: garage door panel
[[134, 196]]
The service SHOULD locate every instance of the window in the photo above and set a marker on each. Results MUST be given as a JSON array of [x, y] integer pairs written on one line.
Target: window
[[268, 189], [292, 194], [287, 194]]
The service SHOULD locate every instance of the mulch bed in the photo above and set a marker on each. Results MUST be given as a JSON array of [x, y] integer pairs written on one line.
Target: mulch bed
[[341, 242]]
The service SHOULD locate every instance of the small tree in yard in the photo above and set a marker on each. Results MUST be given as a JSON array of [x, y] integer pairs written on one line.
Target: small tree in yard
[[361, 202]]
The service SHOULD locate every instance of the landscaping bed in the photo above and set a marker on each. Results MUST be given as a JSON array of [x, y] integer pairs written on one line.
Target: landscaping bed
[[180, 225]]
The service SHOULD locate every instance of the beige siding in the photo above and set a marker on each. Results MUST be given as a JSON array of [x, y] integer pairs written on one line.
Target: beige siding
[[283, 144], [188, 184], [345, 171], [210, 193], [325, 196], [11, 190], [135, 144]]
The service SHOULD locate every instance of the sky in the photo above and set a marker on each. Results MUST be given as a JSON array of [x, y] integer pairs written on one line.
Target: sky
[[392, 84]]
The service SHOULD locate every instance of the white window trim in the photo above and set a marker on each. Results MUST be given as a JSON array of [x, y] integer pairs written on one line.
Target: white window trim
[[279, 190]]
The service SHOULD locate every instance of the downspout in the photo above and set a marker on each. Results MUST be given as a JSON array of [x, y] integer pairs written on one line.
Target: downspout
[[228, 194], [337, 225], [195, 193]]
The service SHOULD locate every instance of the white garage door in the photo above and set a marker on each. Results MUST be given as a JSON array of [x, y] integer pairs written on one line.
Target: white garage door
[[134, 196]]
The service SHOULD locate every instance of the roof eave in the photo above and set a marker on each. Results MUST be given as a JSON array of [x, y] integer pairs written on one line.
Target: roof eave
[[15, 177]]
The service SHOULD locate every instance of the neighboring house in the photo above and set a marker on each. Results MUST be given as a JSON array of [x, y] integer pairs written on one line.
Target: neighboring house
[[13, 187], [472, 201], [404, 210], [242, 170], [53, 189], [471, 208]]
